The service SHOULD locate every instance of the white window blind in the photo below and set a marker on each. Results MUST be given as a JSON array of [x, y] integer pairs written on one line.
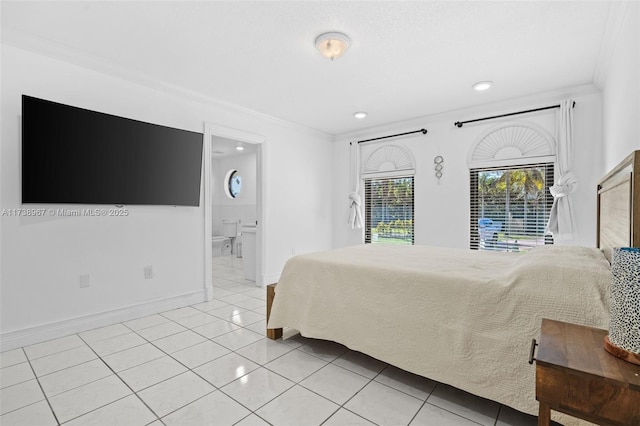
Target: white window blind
[[389, 210], [510, 207]]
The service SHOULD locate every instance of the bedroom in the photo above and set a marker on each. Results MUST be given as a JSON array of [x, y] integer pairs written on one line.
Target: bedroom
[[41, 260]]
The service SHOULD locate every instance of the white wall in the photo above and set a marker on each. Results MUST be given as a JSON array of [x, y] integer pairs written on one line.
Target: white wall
[[442, 208], [41, 259], [621, 90], [243, 207]]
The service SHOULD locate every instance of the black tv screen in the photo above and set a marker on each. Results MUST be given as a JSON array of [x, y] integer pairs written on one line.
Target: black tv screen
[[78, 156]]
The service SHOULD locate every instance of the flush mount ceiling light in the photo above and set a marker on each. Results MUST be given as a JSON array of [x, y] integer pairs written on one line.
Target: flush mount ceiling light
[[332, 45], [482, 85], [240, 148], [360, 114]]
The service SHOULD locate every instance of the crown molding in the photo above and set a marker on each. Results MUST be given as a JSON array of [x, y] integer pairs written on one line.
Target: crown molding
[[498, 107], [615, 21], [41, 46]]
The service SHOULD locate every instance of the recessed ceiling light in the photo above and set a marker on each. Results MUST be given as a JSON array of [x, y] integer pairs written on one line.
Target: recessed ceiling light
[[240, 148], [360, 114], [482, 85]]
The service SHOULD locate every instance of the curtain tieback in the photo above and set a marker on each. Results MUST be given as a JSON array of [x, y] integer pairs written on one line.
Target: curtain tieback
[[354, 197], [566, 184], [355, 217]]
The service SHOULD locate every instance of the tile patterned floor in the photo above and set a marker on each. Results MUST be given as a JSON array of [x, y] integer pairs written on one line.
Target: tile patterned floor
[[209, 364]]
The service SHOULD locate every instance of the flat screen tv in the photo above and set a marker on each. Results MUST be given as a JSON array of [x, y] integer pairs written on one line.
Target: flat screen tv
[[78, 156]]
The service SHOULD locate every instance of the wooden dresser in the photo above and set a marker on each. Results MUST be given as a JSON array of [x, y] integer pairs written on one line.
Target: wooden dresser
[[576, 376]]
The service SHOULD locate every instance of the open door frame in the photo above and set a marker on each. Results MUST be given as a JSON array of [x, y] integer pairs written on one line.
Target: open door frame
[[211, 130]]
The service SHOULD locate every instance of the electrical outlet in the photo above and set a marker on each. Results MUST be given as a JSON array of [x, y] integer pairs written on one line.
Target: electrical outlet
[[85, 280], [148, 272]]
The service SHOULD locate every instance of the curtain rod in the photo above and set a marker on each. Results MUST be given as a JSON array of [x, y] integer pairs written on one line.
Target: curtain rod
[[460, 123], [424, 132]]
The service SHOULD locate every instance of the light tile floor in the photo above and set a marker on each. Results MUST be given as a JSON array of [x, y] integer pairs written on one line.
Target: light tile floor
[[210, 364]]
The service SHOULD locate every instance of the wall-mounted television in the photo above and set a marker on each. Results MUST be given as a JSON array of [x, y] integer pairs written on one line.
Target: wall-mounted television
[[74, 155]]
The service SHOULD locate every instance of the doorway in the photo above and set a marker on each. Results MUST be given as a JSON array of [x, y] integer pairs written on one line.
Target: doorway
[[233, 197]]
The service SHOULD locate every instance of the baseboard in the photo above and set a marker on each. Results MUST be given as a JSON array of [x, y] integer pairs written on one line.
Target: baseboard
[[31, 335], [208, 291]]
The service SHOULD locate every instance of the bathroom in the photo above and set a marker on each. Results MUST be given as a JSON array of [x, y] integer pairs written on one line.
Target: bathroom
[[234, 206]]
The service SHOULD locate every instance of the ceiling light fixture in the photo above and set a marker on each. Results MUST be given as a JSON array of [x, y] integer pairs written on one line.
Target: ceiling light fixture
[[332, 45], [482, 85], [240, 148], [360, 114]]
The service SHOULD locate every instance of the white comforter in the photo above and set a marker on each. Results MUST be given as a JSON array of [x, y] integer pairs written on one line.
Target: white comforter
[[461, 317]]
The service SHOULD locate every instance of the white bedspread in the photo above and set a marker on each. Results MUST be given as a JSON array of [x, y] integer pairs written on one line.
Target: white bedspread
[[461, 317]]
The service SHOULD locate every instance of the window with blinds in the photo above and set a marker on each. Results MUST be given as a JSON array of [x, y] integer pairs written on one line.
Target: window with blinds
[[510, 207], [389, 210]]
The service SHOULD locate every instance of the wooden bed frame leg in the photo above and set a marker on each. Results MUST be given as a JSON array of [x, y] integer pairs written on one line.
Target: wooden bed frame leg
[[272, 333], [544, 414]]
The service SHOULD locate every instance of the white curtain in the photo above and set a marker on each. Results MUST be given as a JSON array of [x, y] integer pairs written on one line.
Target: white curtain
[[561, 219], [355, 200]]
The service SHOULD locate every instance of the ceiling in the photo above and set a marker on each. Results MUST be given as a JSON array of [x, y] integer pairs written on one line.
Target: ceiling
[[225, 148], [406, 59]]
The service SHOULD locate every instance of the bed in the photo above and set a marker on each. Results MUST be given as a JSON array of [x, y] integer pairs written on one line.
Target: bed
[[461, 317]]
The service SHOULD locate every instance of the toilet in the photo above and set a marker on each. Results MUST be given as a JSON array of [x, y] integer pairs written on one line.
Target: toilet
[[222, 245]]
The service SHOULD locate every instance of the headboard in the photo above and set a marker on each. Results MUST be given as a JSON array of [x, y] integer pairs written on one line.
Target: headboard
[[619, 206]]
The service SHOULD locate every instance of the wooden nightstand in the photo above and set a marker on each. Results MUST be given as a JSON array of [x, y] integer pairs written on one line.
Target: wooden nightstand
[[576, 376]]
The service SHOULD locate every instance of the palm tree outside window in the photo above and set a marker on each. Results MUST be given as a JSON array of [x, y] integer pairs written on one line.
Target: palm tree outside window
[[389, 210], [510, 207]]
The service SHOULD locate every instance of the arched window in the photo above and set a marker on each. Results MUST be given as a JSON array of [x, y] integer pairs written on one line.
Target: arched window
[[388, 173], [511, 168]]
